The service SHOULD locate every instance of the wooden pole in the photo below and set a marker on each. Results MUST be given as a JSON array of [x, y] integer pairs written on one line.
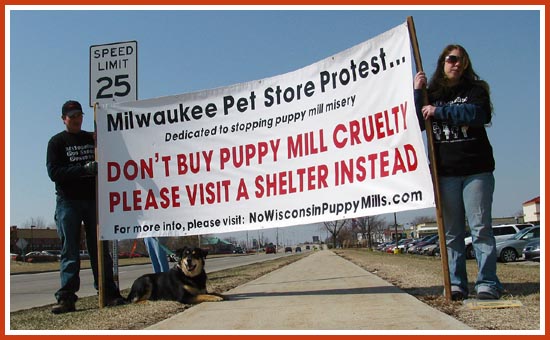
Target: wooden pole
[[100, 250], [433, 168]]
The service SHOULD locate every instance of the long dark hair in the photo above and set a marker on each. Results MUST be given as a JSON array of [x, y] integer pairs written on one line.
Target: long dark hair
[[438, 86]]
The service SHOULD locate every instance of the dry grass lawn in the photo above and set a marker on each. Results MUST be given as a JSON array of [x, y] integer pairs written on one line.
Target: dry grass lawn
[[421, 276]]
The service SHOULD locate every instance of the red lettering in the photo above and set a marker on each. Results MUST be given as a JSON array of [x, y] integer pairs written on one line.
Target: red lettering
[[389, 130], [225, 156], [412, 161], [208, 193], [384, 163], [398, 164], [354, 129], [113, 171], [337, 142], [372, 159], [404, 112], [379, 125], [289, 182], [248, 154], [132, 201], [368, 131], [151, 201], [242, 192], [114, 200], [137, 199]]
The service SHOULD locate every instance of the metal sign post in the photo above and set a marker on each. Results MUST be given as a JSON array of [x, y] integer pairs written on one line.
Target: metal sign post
[[113, 78], [100, 262]]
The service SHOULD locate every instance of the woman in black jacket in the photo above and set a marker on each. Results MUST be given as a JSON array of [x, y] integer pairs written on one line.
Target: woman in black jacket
[[460, 107]]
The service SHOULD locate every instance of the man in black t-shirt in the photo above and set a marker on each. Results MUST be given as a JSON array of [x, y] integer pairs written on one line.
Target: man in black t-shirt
[[71, 165]]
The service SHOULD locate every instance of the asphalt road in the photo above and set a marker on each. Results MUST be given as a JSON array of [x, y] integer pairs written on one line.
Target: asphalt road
[[33, 290]]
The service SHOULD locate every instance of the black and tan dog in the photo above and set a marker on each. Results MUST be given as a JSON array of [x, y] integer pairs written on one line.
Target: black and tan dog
[[185, 282]]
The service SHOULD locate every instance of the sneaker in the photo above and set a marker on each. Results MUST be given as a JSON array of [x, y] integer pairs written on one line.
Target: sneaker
[[116, 301], [64, 306], [457, 296], [486, 296]]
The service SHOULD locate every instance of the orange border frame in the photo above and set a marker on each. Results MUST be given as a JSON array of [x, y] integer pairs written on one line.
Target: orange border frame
[[252, 2]]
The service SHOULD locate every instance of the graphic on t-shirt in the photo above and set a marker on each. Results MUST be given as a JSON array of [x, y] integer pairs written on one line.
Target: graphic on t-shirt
[[450, 133], [445, 133], [446, 130], [437, 131], [80, 153]]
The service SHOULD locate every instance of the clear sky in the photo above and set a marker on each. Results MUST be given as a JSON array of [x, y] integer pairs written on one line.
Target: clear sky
[[186, 50]]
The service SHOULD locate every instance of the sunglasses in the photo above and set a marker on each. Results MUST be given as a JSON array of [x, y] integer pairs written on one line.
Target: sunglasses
[[75, 115], [452, 59]]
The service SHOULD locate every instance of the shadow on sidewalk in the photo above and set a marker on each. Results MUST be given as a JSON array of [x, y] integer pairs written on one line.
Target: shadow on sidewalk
[[349, 291]]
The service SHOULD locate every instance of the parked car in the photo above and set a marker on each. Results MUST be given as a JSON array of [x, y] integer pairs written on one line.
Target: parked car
[[40, 256], [288, 249], [417, 248], [298, 250], [501, 232], [403, 243], [270, 249], [384, 245], [511, 249], [411, 247], [238, 250], [431, 248], [54, 252], [531, 251], [389, 248]]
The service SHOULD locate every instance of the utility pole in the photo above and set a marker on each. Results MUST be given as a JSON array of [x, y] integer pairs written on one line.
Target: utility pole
[[32, 237], [395, 224], [277, 241]]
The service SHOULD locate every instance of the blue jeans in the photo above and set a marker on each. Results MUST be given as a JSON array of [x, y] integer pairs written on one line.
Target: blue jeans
[[69, 216], [157, 254], [471, 197]]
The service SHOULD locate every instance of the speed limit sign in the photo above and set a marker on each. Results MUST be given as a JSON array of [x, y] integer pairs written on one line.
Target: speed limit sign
[[113, 72]]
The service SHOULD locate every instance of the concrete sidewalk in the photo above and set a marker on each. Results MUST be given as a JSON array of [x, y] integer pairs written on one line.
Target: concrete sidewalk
[[320, 292]]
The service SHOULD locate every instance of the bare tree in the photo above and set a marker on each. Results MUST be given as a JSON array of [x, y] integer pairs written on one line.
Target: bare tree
[[233, 240], [347, 236], [178, 242], [368, 226], [423, 219], [334, 228], [35, 222]]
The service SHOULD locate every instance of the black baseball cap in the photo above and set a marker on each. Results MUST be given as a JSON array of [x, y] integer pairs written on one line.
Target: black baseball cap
[[70, 108]]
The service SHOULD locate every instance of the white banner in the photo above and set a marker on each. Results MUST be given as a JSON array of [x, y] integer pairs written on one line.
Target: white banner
[[334, 140]]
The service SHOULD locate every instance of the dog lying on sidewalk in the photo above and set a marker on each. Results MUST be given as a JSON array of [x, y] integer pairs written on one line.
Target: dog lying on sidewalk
[[185, 282]]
